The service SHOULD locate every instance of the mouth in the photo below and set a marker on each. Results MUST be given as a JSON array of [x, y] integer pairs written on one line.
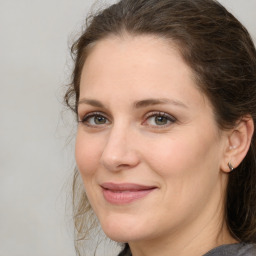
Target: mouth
[[125, 193]]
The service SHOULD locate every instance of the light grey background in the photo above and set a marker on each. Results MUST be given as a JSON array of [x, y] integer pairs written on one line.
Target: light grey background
[[36, 145]]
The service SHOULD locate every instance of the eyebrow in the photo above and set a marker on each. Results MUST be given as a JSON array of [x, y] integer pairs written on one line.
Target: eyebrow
[[94, 103], [150, 102], [137, 104]]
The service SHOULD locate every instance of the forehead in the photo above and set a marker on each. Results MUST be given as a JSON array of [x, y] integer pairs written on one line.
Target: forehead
[[136, 62], [128, 46], [132, 57]]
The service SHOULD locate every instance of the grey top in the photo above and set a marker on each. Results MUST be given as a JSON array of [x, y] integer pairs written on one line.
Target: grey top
[[241, 249]]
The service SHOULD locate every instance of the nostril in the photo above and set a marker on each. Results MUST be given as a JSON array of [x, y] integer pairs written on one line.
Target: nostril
[[121, 162], [124, 166]]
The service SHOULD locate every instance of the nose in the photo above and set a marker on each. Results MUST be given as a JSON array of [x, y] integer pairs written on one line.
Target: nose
[[120, 151]]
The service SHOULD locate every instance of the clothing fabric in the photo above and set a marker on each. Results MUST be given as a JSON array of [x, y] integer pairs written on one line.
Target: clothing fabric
[[241, 249]]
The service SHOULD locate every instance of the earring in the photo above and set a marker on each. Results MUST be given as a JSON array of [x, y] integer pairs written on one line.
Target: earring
[[230, 166]]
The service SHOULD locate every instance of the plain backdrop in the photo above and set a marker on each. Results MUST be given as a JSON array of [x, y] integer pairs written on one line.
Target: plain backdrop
[[36, 132]]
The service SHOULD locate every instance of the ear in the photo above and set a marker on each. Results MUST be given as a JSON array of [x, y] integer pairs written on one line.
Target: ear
[[238, 143]]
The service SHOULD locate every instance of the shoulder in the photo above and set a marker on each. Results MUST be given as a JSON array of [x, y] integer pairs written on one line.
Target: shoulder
[[241, 249]]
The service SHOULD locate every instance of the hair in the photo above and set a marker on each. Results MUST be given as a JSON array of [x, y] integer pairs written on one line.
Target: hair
[[222, 57]]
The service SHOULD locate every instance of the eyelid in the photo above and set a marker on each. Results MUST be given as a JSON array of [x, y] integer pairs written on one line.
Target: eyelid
[[92, 114], [148, 115], [160, 113], [171, 118]]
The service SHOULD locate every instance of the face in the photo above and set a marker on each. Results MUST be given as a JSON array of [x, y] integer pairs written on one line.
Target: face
[[148, 148]]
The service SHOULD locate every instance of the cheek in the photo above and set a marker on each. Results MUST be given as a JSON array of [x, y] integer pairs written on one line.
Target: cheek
[[187, 168], [180, 155], [87, 153]]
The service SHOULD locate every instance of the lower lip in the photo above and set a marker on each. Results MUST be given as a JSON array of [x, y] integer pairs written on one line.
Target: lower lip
[[124, 197]]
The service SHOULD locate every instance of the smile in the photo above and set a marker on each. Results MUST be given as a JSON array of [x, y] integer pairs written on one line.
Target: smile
[[125, 193]]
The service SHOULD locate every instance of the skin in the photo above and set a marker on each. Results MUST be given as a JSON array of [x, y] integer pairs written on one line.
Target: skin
[[182, 156]]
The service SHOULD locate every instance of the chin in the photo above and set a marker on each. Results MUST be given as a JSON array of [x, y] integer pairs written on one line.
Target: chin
[[124, 237], [125, 229], [118, 232]]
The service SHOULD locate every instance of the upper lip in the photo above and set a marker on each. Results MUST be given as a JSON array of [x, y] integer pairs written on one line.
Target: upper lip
[[125, 186]]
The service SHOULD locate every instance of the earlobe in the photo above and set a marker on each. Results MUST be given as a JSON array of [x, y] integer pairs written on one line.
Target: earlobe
[[239, 140]]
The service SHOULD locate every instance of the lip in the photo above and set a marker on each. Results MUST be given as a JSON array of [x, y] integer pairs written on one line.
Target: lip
[[125, 193]]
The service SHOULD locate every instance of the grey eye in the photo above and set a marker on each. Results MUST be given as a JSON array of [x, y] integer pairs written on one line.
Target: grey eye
[[94, 119], [161, 120], [99, 120]]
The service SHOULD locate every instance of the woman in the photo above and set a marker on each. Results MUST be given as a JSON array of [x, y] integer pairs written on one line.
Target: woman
[[165, 97]]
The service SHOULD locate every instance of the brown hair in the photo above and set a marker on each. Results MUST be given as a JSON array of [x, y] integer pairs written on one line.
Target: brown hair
[[222, 56]]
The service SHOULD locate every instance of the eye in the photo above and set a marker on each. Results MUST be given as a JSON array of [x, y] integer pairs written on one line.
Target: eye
[[159, 119], [95, 119]]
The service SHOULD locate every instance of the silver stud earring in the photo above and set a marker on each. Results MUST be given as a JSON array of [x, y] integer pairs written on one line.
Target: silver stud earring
[[230, 166]]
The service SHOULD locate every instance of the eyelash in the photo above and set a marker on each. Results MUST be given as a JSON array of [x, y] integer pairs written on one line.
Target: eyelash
[[86, 118], [170, 119], [155, 114]]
